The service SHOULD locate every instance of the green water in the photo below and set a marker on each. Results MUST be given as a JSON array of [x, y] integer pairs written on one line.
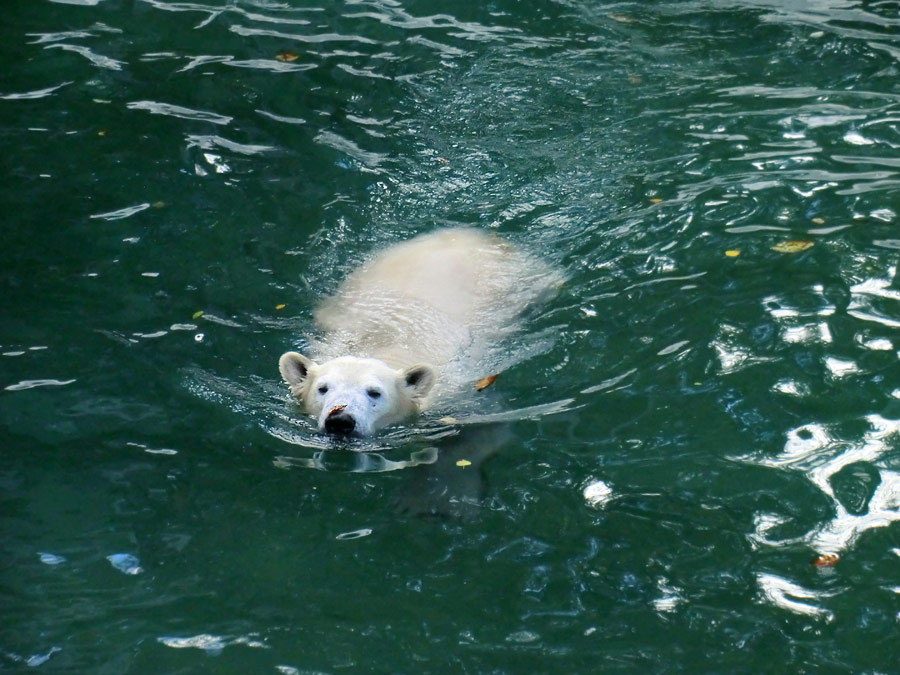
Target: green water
[[707, 424]]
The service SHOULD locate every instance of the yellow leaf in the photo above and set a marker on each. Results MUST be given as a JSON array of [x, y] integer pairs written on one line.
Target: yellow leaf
[[463, 463], [792, 246], [485, 382], [282, 306], [287, 57], [818, 221], [733, 253], [448, 420], [197, 314], [655, 200]]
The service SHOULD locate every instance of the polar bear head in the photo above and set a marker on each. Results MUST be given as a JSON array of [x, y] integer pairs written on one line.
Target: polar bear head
[[356, 396]]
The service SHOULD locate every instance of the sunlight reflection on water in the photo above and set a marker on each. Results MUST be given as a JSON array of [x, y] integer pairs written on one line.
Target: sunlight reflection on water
[[791, 596], [814, 451], [852, 469]]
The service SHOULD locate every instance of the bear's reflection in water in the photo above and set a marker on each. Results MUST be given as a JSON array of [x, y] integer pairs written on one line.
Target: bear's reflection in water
[[453, 485], [443, 471]]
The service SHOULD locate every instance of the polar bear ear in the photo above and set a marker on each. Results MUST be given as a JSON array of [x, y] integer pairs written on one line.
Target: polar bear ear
[[294, 367], [417, 380]]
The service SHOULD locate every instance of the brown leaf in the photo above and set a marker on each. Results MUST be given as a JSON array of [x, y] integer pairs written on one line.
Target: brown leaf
[[337, 409], [485, 382], [826, 560], [287, 57]]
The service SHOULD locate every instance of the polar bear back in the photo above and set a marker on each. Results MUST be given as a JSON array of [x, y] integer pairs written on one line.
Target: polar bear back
[[432, 299]]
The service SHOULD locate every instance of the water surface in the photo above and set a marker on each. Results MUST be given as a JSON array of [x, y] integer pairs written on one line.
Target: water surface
[[691, 423]]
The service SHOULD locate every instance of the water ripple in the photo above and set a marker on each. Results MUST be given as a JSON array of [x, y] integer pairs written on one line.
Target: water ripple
[[125, 212], [282, 118], [38, 93], [791, 596], [635, 145], [371, 160], [44, 38], [171, 110], [272, 65], [213, 644], [32, 384], [397, 17], [317, 38], [215, 11], [211, 142], [97, 59]]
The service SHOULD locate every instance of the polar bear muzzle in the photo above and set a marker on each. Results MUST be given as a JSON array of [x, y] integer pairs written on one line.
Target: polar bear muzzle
[[339, 423]]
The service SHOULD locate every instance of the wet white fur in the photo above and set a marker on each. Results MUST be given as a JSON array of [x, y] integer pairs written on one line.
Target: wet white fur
[[409, 320]]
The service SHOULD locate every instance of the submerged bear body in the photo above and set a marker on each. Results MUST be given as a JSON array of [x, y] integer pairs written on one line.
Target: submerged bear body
[[411, 325]]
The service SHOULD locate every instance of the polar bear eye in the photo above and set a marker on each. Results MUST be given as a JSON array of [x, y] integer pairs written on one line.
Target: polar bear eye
[[373, 393], [323, 388]]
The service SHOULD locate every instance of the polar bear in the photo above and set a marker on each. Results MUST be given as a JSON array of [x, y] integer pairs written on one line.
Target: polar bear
[[411, 325]]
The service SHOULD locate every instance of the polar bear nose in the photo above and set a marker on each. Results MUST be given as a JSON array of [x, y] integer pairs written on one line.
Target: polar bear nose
[[339, 423]]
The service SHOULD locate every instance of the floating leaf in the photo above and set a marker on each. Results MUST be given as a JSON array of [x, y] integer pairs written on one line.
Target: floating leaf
[[826, 560], [197, 314], [655, 200], [818, 221], [158, 205], [281, 306], [448, 420], [101, 133], [792, 246], [485, 382], [286, 56], [463, 463], [733, 253], [337, 409]]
